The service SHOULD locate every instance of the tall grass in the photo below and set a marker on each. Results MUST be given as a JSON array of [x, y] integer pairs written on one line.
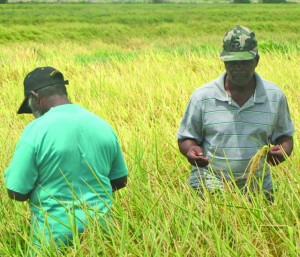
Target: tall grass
[[139, 78]]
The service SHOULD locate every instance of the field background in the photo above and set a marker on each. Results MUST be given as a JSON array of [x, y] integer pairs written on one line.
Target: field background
[[139, 1], [136, 66]]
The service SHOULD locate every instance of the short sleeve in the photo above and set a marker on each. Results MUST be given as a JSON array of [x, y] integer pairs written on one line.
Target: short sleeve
[[119, 168], [21, 174], [284, 125], [191, 123]]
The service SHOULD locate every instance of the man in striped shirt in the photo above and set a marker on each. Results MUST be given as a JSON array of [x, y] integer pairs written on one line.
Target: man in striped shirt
[[229, 119]]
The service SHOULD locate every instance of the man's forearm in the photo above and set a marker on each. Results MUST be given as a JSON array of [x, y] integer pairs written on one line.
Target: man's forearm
[[119, 183], [17, 196]]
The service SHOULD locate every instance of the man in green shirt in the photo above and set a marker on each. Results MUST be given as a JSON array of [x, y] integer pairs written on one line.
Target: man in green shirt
[[68, 162]]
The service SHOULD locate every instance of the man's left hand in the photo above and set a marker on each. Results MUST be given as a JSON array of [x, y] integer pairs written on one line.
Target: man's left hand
[[275, 155]]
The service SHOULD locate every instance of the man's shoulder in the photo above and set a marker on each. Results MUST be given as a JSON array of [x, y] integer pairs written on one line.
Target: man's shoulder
[[211, 88], [206, 91], [271, 87], [66, 117]]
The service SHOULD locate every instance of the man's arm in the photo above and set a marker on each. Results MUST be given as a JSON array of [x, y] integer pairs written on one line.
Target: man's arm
[[283, 147], [17, 196], [193, 152], [118, 183]]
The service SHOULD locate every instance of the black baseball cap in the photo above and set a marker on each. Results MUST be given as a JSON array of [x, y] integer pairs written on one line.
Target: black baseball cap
[[37, 79]]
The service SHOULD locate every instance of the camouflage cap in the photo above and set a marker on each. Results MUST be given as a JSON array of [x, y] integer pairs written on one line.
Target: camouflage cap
[[239, 44]]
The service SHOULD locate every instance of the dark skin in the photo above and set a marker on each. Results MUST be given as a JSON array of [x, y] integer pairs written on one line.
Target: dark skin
[[118, 183], [193, 152], [17, 196], [283, 147], [41, 104], [240, 80], [240, 84]]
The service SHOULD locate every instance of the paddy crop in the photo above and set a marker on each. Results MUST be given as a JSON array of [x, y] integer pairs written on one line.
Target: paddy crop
[[136, 66]]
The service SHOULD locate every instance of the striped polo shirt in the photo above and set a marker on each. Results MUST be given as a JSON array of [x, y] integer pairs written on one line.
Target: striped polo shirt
[[229, 134]]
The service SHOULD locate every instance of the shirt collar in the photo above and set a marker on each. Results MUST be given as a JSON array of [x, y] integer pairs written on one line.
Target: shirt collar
[[260, 95]]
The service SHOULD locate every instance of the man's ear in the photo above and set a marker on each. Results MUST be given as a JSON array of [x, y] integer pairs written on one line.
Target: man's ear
[[257, 59], [35, 96]]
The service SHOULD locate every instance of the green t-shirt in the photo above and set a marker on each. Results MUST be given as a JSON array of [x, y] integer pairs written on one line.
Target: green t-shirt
[[66, 159]]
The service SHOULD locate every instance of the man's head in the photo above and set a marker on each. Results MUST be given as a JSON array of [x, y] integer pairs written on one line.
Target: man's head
[[239, 44], [240, 55], [41, 82]]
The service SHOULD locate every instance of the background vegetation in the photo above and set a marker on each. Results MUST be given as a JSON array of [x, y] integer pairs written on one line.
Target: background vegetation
[[148, 1], [136, 66]]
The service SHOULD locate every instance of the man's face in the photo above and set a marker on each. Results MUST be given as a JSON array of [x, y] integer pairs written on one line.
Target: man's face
[[240, 72]]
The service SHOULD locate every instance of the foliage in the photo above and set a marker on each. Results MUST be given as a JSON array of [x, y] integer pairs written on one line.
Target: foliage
[[147, 24], [136, 66], [3, 1], [145, 1]]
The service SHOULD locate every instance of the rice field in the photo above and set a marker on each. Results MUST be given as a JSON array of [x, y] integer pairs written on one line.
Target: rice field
[[136, 66]]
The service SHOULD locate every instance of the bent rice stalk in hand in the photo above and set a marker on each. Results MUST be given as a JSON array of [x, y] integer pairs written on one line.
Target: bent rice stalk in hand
[[254, 163]]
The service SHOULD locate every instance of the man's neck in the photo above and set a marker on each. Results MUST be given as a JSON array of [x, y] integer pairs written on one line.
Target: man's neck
[[248, 87], [240, 93], [53, 101]]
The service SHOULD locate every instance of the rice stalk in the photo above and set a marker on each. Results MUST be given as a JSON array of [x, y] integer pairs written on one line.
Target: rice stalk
[[254, 163]]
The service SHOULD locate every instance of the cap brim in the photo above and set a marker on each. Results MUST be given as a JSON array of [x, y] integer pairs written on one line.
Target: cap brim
[[237, 56], [24, 108]]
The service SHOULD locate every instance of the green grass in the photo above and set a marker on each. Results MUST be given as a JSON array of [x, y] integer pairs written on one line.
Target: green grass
[[136, 1], [136, 66], [151, 24]]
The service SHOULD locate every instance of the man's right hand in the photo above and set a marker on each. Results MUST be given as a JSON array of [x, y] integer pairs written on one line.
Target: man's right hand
[[196, 157]]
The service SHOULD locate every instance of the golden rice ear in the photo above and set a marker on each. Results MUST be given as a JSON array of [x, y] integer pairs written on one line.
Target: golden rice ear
[[254, 163]]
